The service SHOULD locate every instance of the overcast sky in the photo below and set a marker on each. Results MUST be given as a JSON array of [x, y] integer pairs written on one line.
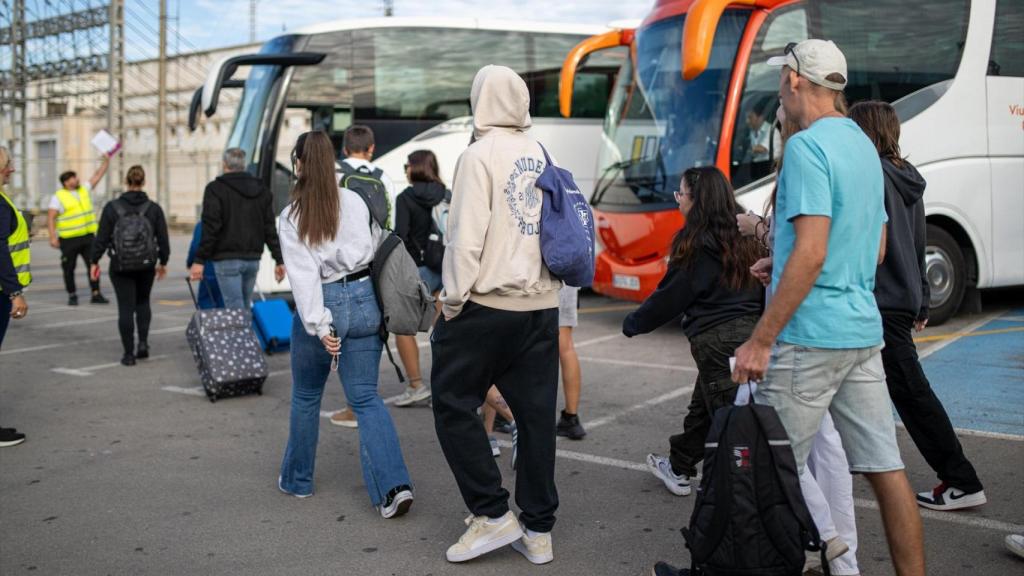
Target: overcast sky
[[215, 23]]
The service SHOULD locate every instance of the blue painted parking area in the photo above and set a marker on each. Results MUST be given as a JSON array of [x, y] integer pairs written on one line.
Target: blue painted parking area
[[980, 376]]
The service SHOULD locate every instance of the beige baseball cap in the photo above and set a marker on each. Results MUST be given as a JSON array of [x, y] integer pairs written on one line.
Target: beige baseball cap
[[815, 60]]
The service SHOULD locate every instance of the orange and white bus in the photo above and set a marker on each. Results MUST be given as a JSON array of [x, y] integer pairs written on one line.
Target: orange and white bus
[[696, 90]]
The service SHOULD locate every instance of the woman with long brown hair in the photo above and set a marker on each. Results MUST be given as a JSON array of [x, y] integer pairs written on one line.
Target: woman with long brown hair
[[328, 242], [709, 283]]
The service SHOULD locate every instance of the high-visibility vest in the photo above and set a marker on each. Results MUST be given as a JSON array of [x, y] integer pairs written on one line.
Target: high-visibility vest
[[78, 218], [18, 244]]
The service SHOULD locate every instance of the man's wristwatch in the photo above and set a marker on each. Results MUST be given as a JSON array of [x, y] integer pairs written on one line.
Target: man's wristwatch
[[17, 294]]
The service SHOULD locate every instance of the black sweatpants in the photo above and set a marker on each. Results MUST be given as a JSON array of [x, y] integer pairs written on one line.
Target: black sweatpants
[[132, 289], [71, 249], [714, 389], [920, 409], [518, 352]]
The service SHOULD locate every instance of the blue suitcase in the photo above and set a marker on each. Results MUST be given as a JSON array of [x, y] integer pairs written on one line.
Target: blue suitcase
[[272, 320]]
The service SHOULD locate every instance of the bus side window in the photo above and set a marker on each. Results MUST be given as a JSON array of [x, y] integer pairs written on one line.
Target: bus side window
[[1007, 56]]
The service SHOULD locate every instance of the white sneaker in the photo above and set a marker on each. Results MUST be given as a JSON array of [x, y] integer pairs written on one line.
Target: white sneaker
[[537, 549], [1015, 544], [945, 497], [485, 535], [413, 395], [495, 449], [662, 470], [835, 547], [281, 488]]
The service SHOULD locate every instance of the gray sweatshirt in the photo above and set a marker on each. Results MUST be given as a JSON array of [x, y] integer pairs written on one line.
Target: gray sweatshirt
[[308, 268]]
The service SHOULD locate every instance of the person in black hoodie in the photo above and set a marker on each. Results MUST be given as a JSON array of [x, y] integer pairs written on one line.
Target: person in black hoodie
[[414, 224], [238, 219], [709, 283], [902, 293], [132, 287]]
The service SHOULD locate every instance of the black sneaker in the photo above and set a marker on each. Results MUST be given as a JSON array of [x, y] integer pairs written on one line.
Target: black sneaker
[[143, 351], [664, 569], [98, 298], [10, 437], [398, 502], [72, 299], [570, 427], [128, 360]]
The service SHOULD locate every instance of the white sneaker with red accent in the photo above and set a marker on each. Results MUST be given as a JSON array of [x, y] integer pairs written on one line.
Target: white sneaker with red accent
[[945, 497]]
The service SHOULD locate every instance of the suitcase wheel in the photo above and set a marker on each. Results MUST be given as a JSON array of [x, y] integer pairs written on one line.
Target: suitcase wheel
[[212, 399]]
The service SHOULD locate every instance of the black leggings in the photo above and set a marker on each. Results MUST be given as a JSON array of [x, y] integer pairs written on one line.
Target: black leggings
[[132, 289]]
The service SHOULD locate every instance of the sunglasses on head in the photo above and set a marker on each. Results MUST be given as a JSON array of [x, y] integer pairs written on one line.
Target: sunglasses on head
[[791, 49]]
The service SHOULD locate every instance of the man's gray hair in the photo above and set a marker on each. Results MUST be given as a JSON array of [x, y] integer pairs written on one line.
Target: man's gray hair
[[234, 159]]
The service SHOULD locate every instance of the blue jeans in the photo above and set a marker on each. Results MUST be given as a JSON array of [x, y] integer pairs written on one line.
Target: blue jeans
[[356, 319], [236, 279]]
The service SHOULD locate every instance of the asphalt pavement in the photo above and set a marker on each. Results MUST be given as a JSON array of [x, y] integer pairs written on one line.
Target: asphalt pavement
[[133, 471]]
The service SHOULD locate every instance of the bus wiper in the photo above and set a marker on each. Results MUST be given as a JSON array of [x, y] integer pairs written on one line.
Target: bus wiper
[[599, 191]]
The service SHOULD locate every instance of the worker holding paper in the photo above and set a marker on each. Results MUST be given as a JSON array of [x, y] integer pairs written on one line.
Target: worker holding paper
[[72, 224]]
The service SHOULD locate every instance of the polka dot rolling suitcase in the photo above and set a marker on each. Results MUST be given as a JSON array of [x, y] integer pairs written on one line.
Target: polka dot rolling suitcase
[[227, 353]]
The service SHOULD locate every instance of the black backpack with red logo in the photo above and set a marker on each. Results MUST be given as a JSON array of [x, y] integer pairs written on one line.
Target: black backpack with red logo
[[750, 516]]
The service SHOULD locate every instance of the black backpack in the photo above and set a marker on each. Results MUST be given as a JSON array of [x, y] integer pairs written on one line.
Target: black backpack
[[750, 516], [433, 253], [134, 242], [370, 187]]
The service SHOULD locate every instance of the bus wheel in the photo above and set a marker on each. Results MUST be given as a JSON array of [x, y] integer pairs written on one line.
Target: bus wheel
[[947, 274]]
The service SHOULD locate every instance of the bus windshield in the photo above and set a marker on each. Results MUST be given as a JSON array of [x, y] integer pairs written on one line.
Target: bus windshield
[[659, 124]]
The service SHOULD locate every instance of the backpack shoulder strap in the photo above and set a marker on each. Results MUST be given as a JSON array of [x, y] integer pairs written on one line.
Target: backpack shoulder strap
[[119, 208], [377, 173], [369, 208], [144, 208], [547, 157]]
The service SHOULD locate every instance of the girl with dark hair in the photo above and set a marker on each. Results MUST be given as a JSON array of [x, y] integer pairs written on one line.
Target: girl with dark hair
[[133, 281], [708, 282], [328, 246], [414, 224], [902, 292]]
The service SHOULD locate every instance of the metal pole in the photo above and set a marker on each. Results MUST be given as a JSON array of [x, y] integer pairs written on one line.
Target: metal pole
[[161, 120], [115, 94], [252, 21]]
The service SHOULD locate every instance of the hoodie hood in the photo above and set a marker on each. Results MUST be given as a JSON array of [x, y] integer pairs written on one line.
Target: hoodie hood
[[242, 182], [428, 194], [907, 180], [499, 99], [135, 197]]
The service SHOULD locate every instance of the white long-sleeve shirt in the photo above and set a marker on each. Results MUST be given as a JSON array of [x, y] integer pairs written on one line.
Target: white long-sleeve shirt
[[388, 183], [308, 268]]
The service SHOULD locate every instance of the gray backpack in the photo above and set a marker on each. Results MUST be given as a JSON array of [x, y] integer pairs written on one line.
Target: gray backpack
[[405, 302]]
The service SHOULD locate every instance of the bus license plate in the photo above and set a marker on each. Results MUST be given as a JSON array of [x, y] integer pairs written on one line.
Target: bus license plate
[[626, 282]]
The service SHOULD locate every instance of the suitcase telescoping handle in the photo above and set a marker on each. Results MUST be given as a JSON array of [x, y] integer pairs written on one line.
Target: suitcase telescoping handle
[[192, 292]]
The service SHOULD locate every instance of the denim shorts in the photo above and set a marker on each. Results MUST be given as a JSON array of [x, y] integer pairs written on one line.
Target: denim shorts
[[431, 278], [803, 383]]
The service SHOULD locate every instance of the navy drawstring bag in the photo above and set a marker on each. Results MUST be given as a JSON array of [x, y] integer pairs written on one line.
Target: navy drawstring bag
[[566, 227]]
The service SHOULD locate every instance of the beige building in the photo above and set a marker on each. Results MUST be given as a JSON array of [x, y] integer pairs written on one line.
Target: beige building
[[63, 116]]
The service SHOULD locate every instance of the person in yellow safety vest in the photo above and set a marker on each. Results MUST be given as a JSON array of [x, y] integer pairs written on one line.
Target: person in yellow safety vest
[[72, 223], [15, 273]]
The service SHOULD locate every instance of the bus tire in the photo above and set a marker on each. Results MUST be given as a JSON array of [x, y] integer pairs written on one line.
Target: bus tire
[[946, 270]]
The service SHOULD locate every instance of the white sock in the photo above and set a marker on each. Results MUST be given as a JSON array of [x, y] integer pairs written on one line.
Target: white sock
[[531, 534], [493, 521]]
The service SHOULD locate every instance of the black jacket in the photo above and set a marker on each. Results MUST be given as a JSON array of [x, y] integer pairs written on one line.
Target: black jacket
[[8, 276], [901, 284], [238, 219], [698, 293], [105, 235], [413, 215]]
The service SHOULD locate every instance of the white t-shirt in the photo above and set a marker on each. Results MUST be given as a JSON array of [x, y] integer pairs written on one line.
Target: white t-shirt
[[761, 137], [389, 185], [55, 203]]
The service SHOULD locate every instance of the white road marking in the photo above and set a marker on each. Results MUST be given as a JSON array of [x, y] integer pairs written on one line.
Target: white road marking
[[91, 370], [193, 391], [950, 517], [173, 329], [632, 364], [387, 402], [97, 320], [971, 328], [598, 422], [598, 340], [981, 433]]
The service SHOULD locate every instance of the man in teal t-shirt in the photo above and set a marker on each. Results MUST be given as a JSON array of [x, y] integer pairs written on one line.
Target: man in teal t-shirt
[[817, 348]]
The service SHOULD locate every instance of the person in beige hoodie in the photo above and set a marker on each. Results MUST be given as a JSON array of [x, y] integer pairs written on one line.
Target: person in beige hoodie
[[499, 325]]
